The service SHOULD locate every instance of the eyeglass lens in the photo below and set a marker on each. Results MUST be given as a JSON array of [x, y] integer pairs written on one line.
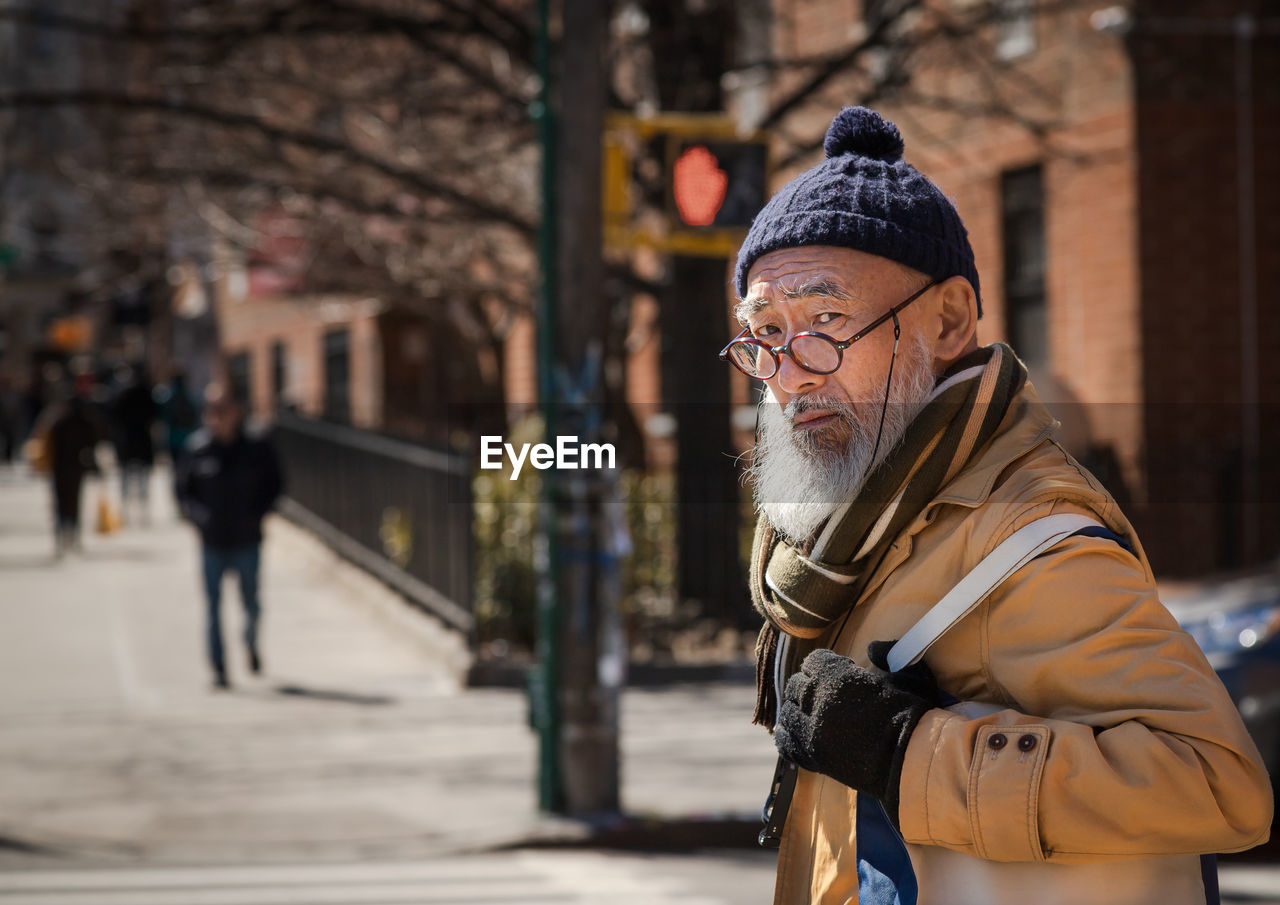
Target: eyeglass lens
[[816, 353], [748, 358], [813, 353]]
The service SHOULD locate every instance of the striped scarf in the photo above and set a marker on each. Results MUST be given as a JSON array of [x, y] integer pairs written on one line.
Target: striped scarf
[[801, 592]]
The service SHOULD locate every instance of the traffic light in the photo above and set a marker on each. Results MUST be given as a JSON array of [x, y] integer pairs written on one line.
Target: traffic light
[[713, 178], [717, 183]]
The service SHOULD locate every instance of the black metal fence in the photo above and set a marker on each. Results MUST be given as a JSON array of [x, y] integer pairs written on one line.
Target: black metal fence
[[400, 511]]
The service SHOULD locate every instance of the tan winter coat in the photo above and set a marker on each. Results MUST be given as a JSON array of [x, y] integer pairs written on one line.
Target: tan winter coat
[[1120, 742]]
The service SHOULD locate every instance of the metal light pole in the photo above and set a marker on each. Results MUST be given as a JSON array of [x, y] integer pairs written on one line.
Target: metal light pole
[[545, 679]]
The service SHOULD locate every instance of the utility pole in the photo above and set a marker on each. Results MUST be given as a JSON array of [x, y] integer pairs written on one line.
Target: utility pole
[[582, 658]]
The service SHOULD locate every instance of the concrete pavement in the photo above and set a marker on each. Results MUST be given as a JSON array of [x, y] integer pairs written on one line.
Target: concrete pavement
[[357, 748]]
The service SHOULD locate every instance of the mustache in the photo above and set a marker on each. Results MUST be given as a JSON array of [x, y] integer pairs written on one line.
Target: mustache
[[797, 405]]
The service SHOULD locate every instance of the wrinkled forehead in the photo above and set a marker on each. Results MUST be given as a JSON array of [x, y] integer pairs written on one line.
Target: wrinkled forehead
[[791, 268], [797, 273], [826, 270]]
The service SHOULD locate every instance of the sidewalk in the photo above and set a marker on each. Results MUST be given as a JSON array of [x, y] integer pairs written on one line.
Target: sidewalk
[[357, 743]]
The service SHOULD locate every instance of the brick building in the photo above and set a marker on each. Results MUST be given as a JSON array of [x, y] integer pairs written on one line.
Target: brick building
[[320, 355], [1122, 221], [355, 359], [350, 359]]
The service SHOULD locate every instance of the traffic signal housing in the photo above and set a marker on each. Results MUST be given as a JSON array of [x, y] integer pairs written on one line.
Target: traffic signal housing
[[715, 181], [716, 184]]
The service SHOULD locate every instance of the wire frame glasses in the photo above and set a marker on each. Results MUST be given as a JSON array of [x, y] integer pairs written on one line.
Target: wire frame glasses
[[816, 352]]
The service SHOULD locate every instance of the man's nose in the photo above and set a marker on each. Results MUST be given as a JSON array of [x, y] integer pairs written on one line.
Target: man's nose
[[794, 380]]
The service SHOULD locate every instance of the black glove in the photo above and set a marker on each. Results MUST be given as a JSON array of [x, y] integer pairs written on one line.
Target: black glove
[[849, 723], [918, 678]]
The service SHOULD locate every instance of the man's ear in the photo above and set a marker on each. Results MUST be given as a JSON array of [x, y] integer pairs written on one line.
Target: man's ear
[[953, 321]]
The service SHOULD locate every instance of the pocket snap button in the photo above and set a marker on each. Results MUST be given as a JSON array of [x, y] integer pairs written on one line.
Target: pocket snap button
[[997, 741], [1026, 743]]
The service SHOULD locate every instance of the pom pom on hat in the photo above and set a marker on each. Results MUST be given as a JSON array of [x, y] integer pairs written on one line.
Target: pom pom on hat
[[864, 196], [857, 130]]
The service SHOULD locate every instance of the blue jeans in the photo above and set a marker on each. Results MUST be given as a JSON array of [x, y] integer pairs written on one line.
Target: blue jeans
[[244, 562]]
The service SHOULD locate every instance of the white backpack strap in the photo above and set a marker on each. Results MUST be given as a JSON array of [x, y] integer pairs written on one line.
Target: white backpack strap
[[1012, 554]]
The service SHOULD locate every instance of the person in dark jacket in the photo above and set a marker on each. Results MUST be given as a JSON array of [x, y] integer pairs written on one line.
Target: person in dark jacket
[[10, 430], [226, 483], [178, 413], [133, 412], [71, 434]]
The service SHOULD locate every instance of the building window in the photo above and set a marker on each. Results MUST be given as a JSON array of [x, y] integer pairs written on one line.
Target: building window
[[279, 374], [1022, 204], [1015, 28], [239, 377], [337, 375]]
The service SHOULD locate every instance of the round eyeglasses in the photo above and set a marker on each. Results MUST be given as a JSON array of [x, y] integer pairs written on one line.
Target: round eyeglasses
[[816, 352]]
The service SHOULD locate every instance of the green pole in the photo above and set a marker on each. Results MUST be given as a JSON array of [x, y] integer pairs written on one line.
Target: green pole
[[545, 688]]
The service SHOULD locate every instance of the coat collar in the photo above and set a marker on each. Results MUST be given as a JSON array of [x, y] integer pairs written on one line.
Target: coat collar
[[1026, 425]]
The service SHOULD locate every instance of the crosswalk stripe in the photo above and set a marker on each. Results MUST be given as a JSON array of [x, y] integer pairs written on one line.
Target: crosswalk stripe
[[362, 894], [518, 877], [264, 875]]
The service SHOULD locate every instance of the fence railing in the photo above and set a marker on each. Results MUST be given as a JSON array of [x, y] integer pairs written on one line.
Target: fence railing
[[400, 511]]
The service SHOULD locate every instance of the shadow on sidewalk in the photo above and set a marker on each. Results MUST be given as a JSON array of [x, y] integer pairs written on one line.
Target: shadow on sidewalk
[[330, 694], [22, 846], [644, 833]]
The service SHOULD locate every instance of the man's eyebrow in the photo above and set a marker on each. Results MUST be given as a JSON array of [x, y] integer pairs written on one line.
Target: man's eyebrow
[[821, 286]]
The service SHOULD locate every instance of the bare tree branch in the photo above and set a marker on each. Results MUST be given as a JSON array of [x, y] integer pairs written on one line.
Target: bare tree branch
[[876, 36], [235, 119], [300, 19]]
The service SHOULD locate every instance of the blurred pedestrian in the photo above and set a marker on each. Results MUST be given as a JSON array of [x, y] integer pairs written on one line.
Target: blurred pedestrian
[[36, 397], [132, 416], [226, 482], [67, 434], [10, 417], [1051, 733], [178, 413]]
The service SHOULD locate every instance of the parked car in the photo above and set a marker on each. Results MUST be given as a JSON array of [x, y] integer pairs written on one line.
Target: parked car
[[1236, 622]]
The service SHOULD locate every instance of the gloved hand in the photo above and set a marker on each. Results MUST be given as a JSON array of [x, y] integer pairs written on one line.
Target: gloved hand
[[918, 678], [850, 723]]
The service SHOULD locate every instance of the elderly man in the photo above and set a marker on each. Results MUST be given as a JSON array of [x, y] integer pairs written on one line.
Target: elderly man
[[1063, 741]]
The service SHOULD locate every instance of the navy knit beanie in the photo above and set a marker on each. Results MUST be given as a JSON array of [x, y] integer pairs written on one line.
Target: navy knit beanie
[[866, 197]]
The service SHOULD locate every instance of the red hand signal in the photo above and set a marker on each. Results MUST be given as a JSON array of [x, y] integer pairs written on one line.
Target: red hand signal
[[699, 186]]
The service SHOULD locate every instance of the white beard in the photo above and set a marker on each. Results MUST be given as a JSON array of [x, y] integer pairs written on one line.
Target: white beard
[[799, 478]]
